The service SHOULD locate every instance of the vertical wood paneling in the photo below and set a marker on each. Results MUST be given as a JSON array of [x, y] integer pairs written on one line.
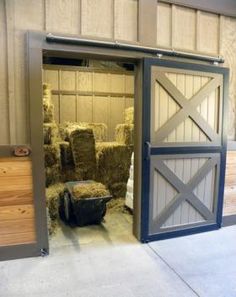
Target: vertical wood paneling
[[184, 28], [67, 80], [4, 127], [85, 109], [208, 31], [97, 18], [52, 78], [63, 16], [101, 110], [126, 20], [228, 49], [85, 81], [56, 103], [28, 14], [164, 25], [117, 106], [67, 108]]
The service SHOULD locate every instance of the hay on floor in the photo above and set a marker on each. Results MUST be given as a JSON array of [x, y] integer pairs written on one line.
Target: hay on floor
[[52, 199], [83, 150], [66, 154], [90, 190], [52, 155], [129, 115], [50, 133], [125, 134], [113, 163], [118, 189], [99, 130]]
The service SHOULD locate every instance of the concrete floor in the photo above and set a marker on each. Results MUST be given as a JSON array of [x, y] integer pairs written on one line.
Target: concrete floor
[[106, 260]]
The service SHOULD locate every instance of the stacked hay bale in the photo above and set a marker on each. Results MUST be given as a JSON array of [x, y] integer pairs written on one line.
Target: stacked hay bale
[[67, 162], [99, 130], [125, 132], [52, 200], [79, 149], [83, 150], [51, 136], [113, 163]]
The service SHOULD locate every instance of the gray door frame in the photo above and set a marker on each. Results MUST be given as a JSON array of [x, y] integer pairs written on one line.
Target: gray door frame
[[37, 46]]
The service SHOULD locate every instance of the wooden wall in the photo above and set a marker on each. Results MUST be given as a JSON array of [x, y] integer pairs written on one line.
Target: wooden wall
[[230, 184], [193, 30], [177, 27], [94, 95], [16, 202]]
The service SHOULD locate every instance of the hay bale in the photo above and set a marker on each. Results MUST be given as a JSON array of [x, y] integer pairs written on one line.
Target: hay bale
[[113, 163], [52, 155], [125, 134], [99, 130], [52, 199], [50, 133], [68, 174], [90, 190], [66, 154], [129, 115], [52, 175], [48, 112], [48, 108], [118, 190], [83, 150]]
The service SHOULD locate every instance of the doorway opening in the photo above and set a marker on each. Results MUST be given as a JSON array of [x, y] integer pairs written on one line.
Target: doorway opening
[[88, 115]]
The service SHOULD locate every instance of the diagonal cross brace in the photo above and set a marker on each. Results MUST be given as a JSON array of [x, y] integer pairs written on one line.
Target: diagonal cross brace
[[188, 107], [185, 190]]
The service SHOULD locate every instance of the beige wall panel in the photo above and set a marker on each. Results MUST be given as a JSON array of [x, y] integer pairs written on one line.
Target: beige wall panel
[[129, 102], [117, 106], [184, 27], [85, 81], [230, 184], [97, 18], [4, 127], [63, 16], [68, 80], [208, 33], [85, 109], [67, 108], [228, 50], [117, 83], [56, 103], [52, 78], [101, 82], [28, 16], [129, 84], [126, 20], [164, 25], [101, 110]]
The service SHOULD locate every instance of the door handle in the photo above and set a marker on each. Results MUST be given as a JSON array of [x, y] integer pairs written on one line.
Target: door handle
[[148, 150], [21, 151]]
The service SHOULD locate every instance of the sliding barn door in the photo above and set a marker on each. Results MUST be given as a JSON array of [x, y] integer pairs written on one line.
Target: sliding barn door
[[183, 148]]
